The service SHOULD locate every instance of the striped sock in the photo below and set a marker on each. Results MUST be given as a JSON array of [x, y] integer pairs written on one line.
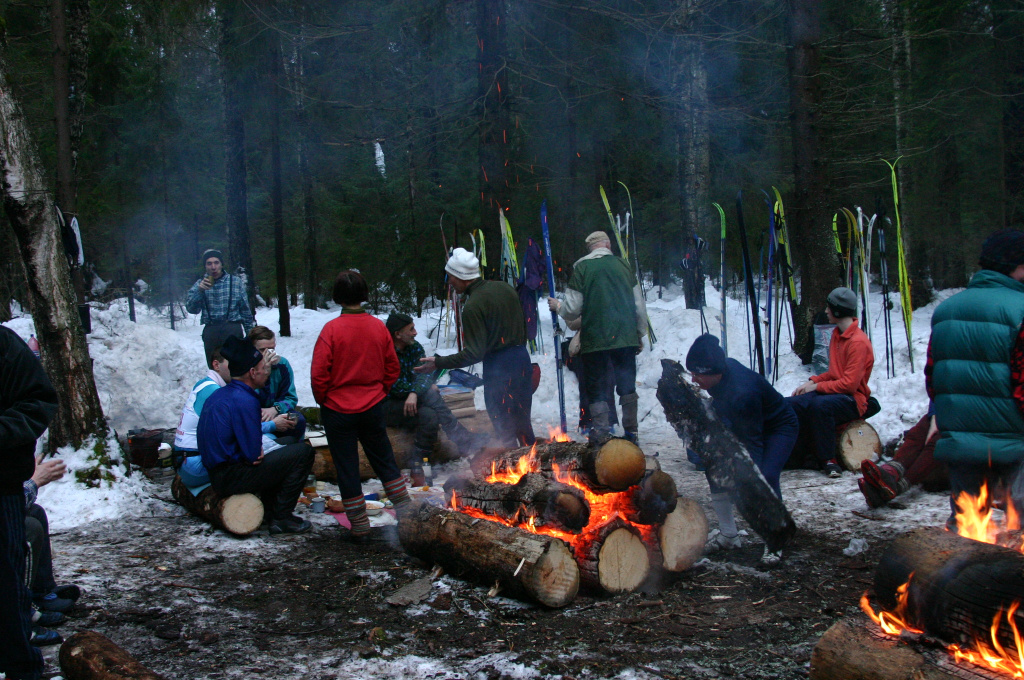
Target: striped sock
[[355, 510], [397, 491]]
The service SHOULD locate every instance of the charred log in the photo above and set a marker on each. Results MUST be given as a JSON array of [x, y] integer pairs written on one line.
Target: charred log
[[614, 558], [525, 564], [549, 502], [240, 514], [848, 650], [90, 656], [958, 586], [728, 463], [615, 465], [653, 498]]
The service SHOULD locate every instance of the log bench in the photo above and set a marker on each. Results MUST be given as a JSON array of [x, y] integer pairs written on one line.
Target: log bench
[[857, 441], [240, 514]]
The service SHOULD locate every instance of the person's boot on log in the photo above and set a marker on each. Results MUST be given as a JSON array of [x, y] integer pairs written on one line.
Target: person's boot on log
[[744, 458]]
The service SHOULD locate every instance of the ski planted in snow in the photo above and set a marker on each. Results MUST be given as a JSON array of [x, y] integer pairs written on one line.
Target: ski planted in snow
[[556, 329]]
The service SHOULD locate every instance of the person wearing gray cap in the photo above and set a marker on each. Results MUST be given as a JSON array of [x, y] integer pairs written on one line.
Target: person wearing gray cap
[[841, 393], [604, 294], [975, 375], [222, 300]]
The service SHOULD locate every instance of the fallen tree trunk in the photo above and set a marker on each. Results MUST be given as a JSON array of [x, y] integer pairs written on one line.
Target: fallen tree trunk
[[728, 463], [537, 566], [90, 656], [613, 558], [848, 650], [959, 586], [615, 465], [240, 514], [549, 502]]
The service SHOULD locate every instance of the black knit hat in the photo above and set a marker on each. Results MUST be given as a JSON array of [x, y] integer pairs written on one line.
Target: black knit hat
[[241, 355], [1003, 251], [212, 252], [705, 356], [397, 321]]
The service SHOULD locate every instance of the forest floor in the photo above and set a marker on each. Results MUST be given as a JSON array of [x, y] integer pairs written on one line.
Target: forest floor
[[191, 602]]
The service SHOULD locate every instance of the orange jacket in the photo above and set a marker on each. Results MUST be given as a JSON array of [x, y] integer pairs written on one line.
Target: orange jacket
[[850, 360], [354, 363]]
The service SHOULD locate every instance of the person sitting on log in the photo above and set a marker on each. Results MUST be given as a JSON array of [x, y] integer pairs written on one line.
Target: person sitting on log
[[495, 334], [757, 414], [354, 366], [414, 402], [231, 446], [49, 600], [913, 464], [278, 398], [604, 293], [841, 393], [186, 449]]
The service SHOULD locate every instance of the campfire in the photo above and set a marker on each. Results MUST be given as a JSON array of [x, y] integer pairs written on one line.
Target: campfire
[[968, 587], [543, 520]]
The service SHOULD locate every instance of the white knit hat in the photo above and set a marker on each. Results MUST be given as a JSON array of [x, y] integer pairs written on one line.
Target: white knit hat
[[463, 265], [596, 237]]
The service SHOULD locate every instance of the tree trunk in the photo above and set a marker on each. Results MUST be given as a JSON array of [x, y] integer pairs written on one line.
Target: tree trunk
[[728, 463], [29, 207], [88, 655], [311, 295], [551, 503], [808, 211], [539, 567], [957, 585], [492, 115], [235, 99], [613, 558], [240, 514], [276, 198], [616, 465]]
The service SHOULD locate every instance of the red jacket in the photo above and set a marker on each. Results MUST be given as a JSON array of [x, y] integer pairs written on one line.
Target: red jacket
[[850, 360], [354, 363]]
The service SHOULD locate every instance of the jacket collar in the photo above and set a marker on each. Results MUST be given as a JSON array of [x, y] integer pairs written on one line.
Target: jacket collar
[[594, 254]]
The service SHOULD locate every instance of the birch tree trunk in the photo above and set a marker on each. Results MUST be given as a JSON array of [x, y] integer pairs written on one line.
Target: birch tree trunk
[[28, 204]]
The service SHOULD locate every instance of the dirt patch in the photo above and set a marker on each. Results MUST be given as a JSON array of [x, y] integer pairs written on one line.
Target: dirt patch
[[192, 602]]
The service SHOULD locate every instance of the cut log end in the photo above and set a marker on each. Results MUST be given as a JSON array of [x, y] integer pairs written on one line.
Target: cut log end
[[683, 535], [240, 514], [622, 562], [555, 578], [619, 464], [89, 655]]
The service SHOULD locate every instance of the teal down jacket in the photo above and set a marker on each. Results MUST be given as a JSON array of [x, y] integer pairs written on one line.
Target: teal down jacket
[[973, 334]]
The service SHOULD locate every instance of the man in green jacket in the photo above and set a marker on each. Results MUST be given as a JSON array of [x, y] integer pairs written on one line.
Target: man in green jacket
[[494, 332], [975, 375], [604, 293]]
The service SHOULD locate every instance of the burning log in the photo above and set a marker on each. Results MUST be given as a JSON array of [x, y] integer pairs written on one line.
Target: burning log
[[728, 463], [615, 465], [653, 499], [539, 567], [534, 495], [960, 590], [90, 656], [240, 514], [614, 558]]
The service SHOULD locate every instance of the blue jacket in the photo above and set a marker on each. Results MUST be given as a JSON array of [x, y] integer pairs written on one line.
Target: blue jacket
[[749, 406], [229, 426]]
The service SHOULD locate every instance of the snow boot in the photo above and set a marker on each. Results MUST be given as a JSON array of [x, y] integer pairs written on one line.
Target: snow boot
[[887, 477], [717, 541], [770, 559], [873, 496], [600, 427]]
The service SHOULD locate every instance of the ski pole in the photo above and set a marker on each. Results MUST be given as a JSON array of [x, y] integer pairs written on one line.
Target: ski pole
[[748, 272], [554, 316], [721, 218]]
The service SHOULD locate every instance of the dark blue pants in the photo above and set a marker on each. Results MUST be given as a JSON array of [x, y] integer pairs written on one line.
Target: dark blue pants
[[819, 415], [772, 457], [37, 533], [508, 394], [277, 480], [18, 658], [344, 432], [616, 366]]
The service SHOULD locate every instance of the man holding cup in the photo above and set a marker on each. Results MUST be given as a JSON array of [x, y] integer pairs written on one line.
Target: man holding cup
[[222, 300]]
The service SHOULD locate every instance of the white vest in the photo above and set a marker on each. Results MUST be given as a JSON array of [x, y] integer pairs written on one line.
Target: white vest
[[185, 436]]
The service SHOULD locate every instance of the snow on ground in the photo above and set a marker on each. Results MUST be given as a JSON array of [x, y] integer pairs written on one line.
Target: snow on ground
[[144, 371]]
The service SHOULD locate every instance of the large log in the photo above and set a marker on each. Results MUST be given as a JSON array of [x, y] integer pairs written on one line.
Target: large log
[[958, 588], [728, 463], [682, 536], [653, 498], [615, 465], [241, 514], [849, 651], [401, 444], [613, 558], [551, 503], [90, 656], [531, 565]]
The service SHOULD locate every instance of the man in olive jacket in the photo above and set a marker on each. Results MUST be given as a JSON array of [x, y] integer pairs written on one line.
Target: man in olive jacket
[[975, 375], [27, 404], [494, 331], [605, 294]]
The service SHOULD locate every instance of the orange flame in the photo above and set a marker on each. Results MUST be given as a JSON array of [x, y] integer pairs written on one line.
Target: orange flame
[[974, 520], [524, 466], [556, 435]]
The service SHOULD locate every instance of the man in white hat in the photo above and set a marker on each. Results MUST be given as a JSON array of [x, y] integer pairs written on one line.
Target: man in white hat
[[494, 331], [604, 293]]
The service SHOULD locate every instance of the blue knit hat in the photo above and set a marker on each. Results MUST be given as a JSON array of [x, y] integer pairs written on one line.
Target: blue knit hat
[[705, 356]]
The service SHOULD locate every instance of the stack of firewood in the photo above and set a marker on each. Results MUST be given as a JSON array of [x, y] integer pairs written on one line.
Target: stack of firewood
[[541, 521]]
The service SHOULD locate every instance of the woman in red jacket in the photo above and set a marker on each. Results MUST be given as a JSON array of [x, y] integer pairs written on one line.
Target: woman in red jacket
[[354, 366]]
